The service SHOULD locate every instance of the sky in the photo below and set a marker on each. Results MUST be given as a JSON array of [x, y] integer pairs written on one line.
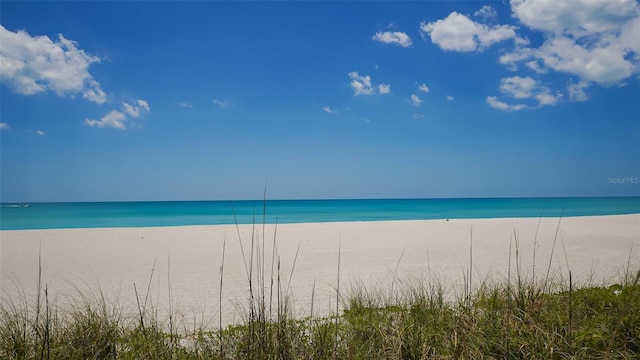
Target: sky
[[137, 101]]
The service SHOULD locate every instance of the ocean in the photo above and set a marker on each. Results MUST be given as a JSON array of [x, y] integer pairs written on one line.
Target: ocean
[[178, 213]]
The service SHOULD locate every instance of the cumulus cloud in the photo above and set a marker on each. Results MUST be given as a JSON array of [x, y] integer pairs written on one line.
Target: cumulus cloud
[[362, 85], [393, 37], [423, 88], [605, 64], [528, 88], [384, 89], [118, 118], [114, 119], [519, 54], [518, 87], [546, 98], [457, 32], [592, 42], [450, 98], [4, 126], [36, 64], [575, 17], [521, 88], [628, 36], [40, 132], [329, 110], [415, 100], [597, 41]]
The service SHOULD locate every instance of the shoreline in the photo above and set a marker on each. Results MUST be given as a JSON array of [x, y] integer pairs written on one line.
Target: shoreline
[[260, 224], [187, 259]]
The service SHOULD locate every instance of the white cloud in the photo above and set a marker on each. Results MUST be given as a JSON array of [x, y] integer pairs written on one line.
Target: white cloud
[[114, 119], [329, 110], [94, 93], [384, 89], [629, 36], [456, 32], [4, 126], [393, 37], [546, 98], [597, 41], [186, 105], [519, 54], [459, 33], [535, 66], [518, 87], [32, 65], [576, 91], [117, 119], [486, 12], [591, 41], [450, 98], [575, 17], [222, 103], [362, 85], [136, 109], [500, 105], [527, 88], [40, 132], [415, 100], [605, 64], [423, 88], [417, 116], [497, 104]]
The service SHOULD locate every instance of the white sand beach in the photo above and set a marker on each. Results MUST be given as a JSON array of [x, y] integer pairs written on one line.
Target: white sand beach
[[188, 259]]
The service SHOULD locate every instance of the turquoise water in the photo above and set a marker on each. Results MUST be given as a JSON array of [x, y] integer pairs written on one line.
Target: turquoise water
[[175, 213]]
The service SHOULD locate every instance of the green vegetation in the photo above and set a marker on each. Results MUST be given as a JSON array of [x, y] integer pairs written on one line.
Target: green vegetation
[[495, 321]]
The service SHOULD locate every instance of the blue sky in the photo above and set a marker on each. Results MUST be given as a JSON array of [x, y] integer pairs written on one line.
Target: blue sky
[[109, 101]]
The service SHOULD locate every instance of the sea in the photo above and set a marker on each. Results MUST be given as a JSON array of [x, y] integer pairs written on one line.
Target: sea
[[62, 215]]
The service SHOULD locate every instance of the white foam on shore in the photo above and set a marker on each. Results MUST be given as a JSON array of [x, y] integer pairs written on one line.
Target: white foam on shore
[[116, 258]]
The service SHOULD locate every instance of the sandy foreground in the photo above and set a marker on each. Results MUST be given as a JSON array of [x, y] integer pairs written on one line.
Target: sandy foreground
[[180, 266]]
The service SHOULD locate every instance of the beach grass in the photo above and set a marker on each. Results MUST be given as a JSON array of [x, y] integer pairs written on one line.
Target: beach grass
[[413, 318], [494, 322]]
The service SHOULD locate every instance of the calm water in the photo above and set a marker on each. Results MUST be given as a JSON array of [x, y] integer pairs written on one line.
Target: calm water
[[174, 213]]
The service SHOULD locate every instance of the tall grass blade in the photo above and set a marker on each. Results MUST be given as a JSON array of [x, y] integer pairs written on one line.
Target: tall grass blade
[[224, 246], [553, 247], [335, 348], [395, 271], [244, 258]]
